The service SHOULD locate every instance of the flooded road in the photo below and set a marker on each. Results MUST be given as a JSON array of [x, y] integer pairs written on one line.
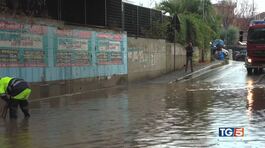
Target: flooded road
[[187, 113]]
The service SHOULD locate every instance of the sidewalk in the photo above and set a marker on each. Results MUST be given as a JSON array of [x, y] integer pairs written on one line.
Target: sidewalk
[[181, 74]]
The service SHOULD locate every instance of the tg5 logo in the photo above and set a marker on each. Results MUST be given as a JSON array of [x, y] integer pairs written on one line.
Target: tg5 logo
[[231, 132]]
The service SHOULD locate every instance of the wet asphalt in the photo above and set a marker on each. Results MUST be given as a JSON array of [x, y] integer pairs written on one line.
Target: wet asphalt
[[187, 112]]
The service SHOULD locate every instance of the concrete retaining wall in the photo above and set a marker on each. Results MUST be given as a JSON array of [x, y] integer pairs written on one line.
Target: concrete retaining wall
[[58, 59], [62, 87], [146, 58], [149, 58], [180, 57]]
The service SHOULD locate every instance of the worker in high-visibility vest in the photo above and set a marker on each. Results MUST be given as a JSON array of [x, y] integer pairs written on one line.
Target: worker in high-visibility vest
[[15, 92]]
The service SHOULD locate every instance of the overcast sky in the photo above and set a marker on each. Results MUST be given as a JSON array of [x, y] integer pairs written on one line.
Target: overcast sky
[[260, 4]]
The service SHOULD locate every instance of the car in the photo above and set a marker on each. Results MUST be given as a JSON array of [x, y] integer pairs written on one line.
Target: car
[[235, 53], [241, 55]]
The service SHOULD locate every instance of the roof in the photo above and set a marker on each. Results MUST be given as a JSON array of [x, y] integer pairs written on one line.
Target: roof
[[260, 16], [257, 23], [257, 26]]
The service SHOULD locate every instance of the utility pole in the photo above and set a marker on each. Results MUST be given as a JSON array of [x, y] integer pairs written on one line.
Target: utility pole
[[253, 7], [203, 11], [175, 31], [174, 22], [203, 17]]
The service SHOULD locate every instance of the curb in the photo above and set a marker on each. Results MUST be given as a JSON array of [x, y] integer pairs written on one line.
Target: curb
[[201, 71]]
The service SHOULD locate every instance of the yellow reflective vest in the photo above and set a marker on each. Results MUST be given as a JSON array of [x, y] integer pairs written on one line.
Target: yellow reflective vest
[[4, 84]]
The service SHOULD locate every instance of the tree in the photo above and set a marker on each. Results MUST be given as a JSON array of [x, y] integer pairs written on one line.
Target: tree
[[196, 20], [246, 9], [170, 6], [235, 12], [226, 10], [182, 6], [202, 8], [232, 34], [245, 13]]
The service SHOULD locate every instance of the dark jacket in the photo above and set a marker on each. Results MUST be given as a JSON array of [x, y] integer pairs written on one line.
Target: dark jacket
[[189, 51]]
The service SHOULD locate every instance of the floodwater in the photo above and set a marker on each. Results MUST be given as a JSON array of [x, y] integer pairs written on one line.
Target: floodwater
[[187, 113]]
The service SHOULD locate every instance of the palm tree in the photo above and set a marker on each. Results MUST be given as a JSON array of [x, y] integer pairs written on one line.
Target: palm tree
[[186, 6]]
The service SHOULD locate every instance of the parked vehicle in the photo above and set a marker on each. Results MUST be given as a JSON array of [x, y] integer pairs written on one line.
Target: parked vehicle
[[240, 55]]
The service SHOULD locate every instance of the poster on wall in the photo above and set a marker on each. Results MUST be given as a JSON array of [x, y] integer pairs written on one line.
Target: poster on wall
[[109, 49], [21, 45], [73, 48], [9, 58], [34, 58]]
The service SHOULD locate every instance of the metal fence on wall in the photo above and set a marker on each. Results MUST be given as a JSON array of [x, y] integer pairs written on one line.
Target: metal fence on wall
[[138, 21], [135, 20], [113, 14], [2, 3], [107, 13]]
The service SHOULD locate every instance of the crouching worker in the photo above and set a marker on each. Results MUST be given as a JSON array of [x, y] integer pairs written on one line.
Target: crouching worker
[[15, 92]]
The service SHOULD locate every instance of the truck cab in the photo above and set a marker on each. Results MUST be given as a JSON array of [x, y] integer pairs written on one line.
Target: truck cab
[[256, 47]]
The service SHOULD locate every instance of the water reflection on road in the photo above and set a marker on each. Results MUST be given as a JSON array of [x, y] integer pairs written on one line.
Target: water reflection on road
[[187, 113]]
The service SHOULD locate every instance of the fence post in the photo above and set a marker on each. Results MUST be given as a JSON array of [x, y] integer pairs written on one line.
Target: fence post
[[85, 12], [137, 21], [59, 9], [106, 14], [122, 16], [151, 24]]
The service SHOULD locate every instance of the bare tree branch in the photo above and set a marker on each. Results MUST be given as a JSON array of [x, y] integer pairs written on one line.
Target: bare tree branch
[[246, 9], [245, 13], [226, 9]]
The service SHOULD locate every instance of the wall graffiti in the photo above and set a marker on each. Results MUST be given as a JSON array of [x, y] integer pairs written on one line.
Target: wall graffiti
[[138, 55], [21, 45]]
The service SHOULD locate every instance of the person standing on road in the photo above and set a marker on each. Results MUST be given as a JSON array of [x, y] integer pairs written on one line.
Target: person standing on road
[[189, 53], [15, 92]]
